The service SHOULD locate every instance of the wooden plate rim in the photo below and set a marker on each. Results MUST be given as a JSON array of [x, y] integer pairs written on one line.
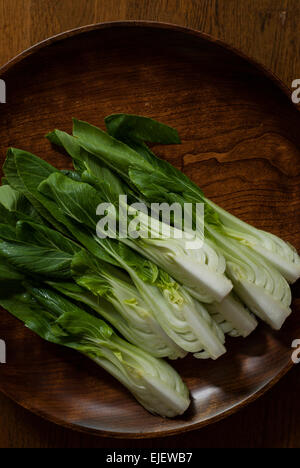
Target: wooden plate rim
[[283, 88], [146, 24], [154, 435]]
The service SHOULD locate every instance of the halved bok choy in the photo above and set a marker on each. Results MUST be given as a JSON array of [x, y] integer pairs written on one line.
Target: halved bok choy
[[168, 252], [235, 318], [48, 255], [153, 382], [260, 286], [172, 306], [189, 258]]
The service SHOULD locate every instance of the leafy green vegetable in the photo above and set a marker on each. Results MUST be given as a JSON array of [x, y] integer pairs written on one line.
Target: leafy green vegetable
[[129, 164], [15, 206], [183, 319], [24, 172], [213, 266], [139, 128], [38, 250], [11, 172], [173, 306], [262, 288], [152, 382], [101, 145], [7, 232], [258, 283], [47, 262], [8, 273], [201, 270], [48, 209], [131, 315], [232, 316], [281, 255], [79, 201], [49, 254], [89, 170], [38, 234], [145, 286], [203, 278]]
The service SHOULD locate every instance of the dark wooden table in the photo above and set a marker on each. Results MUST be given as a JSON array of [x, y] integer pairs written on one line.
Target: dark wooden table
[[267, 30]]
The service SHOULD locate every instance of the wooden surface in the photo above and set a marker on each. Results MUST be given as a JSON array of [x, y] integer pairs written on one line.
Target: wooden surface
[[267, 30], [272, 420]]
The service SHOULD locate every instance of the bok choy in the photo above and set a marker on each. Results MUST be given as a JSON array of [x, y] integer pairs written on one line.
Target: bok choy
[[200, 270], [190, 328], [169, 289], [173, 307], [256, 281], [155, 384], [198, 267], [44, 253]]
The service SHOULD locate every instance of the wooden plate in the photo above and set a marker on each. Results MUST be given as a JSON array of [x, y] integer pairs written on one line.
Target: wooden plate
[[241, 144]]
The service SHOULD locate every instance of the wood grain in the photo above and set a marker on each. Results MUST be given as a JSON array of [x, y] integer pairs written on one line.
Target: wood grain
[[266, 30], [270, 422], [217, 101], [252, 26]]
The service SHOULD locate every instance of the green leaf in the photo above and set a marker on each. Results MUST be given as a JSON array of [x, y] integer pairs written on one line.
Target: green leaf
[[6, 217], [25, 172], [10, 198], [14, 205], [8, 273], [110, 151], [43, 236], [139, 128], [132, 167], [141, 148], [11, 172], [32, 169], [91, 242], [25, 308], [79, 201], [48, 262], [88, 163], [94, 275], [78, 294], [134, 131], [131, 261], [46, 206], [107, 184], [71, 146], [66, 141], [71, 318], [74, 175], [7, 232], [93, 173]]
